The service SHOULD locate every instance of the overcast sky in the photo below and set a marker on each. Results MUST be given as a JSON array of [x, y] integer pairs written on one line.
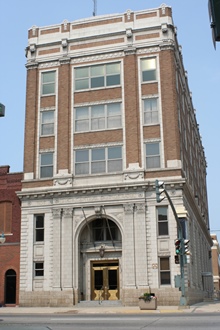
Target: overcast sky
[[201, 61]]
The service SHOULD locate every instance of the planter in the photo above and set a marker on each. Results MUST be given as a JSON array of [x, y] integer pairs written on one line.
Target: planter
[[149, 304]]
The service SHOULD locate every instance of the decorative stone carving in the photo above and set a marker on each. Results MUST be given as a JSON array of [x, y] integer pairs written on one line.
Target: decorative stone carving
[[140, 207], [128, 208], [56, 213], [67, 213]]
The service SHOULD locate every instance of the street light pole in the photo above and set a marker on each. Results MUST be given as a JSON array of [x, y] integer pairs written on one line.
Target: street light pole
[[159, 190]]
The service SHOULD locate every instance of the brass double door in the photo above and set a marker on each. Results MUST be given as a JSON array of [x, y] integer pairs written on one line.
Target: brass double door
[[105, 281]]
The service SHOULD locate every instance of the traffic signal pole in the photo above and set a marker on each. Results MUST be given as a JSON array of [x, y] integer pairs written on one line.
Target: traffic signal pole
[[159, 184]]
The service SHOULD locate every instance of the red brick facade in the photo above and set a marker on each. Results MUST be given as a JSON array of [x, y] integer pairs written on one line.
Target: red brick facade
[[10, 221]]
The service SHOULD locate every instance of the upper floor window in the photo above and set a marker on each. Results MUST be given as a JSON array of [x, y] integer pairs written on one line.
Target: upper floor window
[[98, 160], [148, 68], [152, 155], [151, 111], [46, 165], [96, 76], [39, 227], [162, 221], [98, 117], [47, 122], [48, 82]]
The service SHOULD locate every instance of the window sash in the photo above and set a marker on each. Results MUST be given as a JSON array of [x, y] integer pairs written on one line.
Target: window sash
[[39, 228], [162, 221], [152, 155], [47, 123], [98, 160], [97, 76], [148, 67], [151, 111], [48, 82], [165, 271], [46, 166], [98, 117], [39, 269]]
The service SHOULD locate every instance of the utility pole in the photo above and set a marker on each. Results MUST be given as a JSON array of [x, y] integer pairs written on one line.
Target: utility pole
[[159, 190]]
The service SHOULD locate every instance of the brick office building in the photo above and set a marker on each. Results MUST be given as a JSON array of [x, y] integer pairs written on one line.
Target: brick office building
[[10, 220], [108, 111]]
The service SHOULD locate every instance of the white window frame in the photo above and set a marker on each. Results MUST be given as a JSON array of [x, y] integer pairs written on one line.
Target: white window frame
[[105, 160], [38, 229], [38, 270], [49, 123], [151, 71], [153, 155], [46, 165], [161, 222], [90, 77], [51, 83], [105, 118], [151, 112]]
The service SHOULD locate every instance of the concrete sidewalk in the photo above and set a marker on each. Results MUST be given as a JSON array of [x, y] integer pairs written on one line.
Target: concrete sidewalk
[[203, 307]]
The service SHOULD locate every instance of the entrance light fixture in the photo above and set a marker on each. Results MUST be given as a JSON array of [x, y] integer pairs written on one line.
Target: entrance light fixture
[[2, 238], [102, 251]]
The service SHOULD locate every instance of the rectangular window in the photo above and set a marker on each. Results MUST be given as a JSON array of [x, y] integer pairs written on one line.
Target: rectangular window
[[98, 160], [38, 269], [152, 155], [151, 111], [98, 117], [48, 83], [47, 122], [39, 228], [148, 68], [97, 76], [162, 221], [164, 270], [46, 165]]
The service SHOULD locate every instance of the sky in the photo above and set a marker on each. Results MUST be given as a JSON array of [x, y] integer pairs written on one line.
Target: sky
[[200, 58]]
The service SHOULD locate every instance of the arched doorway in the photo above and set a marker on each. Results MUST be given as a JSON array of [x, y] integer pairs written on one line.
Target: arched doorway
[[100, 255], [10, 287]]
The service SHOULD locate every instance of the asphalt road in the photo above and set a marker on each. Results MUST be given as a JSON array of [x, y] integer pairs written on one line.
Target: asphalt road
[[110, 322]]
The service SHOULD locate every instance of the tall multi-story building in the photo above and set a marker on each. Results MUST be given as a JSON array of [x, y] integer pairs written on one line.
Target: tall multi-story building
[[10, 222], [108, 111]]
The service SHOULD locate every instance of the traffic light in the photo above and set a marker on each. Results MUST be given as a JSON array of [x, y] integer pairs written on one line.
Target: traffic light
[[214, 13], [177, 259], [2, 110], [178, 246], [186, 247], [159, 190]]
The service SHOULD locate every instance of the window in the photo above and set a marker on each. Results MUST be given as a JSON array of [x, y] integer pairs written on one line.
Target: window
[[98, 160], [39, 228], [96, 76], [104, 230], [152, 155], [47, 122], [150, 111], [46, 165], [162, 221], [38, 269], [48, 83], [164, 270], [98, 117], [148, 68]]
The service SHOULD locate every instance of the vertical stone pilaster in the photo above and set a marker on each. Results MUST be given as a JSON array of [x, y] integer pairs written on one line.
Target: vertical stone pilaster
[[57, 213], [67, 248]]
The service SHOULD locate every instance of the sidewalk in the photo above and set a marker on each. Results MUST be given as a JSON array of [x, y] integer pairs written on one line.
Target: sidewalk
[[203, 307]]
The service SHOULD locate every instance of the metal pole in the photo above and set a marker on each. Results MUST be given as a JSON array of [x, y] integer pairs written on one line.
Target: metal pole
[[183, 301]]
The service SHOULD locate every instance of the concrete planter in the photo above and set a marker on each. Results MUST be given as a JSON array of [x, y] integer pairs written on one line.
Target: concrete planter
[[149, 304]]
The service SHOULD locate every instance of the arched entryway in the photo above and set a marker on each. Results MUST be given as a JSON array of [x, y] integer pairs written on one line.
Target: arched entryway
[[10, 287], [100, 259]]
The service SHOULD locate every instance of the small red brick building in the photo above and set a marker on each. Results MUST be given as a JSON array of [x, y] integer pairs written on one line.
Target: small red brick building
[[10, 220]]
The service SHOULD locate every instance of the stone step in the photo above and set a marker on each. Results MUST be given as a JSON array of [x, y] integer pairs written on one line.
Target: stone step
[[97, 303]]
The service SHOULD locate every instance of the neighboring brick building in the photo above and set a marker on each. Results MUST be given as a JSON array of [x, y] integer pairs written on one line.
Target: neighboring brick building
[[108, 111], [216, 263], [10, 221]]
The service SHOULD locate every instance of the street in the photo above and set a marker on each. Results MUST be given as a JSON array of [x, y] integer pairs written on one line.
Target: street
[[110, 322]]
